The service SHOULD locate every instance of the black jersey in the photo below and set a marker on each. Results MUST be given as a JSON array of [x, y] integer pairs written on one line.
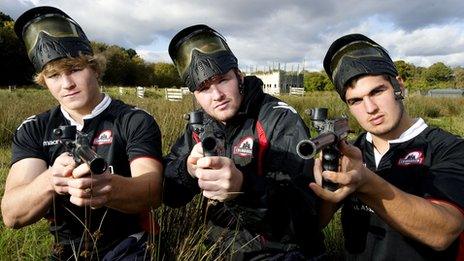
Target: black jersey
[[120, 134], [276, 204], [428, 164]]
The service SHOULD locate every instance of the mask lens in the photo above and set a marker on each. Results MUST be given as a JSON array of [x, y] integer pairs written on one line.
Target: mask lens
[[55, 26], [355, 50], [203, 42]]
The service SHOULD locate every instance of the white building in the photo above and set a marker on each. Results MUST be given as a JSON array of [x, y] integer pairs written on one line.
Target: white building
[[278, 81]]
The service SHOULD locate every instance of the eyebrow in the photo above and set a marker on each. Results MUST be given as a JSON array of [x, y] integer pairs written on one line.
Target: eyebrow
[[376, 88]]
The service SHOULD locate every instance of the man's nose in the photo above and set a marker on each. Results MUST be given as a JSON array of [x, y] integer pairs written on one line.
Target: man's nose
[[216, 92], [370, 105]]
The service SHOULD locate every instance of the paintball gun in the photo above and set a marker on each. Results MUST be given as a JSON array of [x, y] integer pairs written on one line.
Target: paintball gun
[[331, 132], [212, 140], [77, 143]]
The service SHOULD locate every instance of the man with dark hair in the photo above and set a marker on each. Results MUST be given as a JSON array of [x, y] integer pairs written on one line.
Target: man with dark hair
[[402, 182], [260, 206], [96, 211]]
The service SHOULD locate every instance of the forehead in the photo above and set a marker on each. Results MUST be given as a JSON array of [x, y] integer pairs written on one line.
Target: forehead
[[365, 84]]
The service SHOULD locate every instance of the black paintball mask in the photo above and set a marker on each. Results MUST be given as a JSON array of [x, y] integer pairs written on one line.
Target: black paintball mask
[[199, 53], [355, 55], [49, 34]]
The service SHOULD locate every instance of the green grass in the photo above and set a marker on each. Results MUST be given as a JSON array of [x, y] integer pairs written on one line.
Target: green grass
[[181, 229]]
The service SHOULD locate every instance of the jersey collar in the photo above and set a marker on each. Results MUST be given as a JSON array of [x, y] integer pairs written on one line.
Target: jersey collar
[[95, 112], [409, 134]]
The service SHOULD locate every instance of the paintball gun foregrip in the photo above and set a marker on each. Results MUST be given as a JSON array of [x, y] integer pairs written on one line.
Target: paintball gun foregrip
[[331, 132], [78, 144]]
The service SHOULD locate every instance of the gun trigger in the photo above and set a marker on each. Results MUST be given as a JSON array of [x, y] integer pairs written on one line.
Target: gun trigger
[[77, 160]]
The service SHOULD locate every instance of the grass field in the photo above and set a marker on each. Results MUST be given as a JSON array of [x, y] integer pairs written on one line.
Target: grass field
[[33, 242]]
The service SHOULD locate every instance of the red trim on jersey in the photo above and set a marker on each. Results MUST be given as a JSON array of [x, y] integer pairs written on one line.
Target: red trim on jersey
[[263, 145], [447, 202], [195, 137], [149, 224], [460, 254]]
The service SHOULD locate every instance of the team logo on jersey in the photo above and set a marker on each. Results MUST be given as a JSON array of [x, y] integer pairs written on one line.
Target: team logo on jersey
[[105, 137], [412, 158], [244, 148], [47, 143]]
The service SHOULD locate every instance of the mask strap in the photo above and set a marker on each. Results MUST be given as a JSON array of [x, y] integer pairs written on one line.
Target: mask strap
[[396, 88]]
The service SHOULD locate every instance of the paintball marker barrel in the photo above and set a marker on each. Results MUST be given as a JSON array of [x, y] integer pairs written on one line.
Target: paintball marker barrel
[[97, 164], [212, 140], [331, 132], [307, 149], [209, 145], [78, 144]]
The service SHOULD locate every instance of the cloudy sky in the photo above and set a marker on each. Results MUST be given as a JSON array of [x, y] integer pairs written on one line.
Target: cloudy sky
[[265, 33]]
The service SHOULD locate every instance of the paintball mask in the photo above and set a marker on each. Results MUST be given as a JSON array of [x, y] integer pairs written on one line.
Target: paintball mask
[[199, 53], [355, 55], [49, 34]]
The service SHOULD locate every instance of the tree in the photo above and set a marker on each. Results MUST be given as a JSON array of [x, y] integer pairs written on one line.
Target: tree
[[98, 47], [131, 52], [438, 72], [117, 63], [166, 75], [405, 70], [458, 73], [316, 81]]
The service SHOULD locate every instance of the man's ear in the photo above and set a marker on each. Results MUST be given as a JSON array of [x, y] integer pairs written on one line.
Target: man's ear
[[401, 83], [240, 75]]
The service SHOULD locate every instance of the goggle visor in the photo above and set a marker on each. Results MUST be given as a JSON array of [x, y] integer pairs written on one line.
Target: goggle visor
[[53, 25], [203, 42]]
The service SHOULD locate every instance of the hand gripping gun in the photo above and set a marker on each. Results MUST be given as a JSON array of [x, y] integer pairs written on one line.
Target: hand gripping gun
[[331, 132]]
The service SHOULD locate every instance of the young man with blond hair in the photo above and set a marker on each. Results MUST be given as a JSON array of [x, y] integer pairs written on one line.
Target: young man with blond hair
[[92, 215]]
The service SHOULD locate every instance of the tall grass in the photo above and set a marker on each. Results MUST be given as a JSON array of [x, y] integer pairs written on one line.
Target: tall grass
[[182, 229]]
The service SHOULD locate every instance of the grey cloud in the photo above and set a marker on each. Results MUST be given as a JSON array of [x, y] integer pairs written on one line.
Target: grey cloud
[[261, 32]]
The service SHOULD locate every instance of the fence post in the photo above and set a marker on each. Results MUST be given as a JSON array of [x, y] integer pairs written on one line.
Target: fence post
[[140, 91]]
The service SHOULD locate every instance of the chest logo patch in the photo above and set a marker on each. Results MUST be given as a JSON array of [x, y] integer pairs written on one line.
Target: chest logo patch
[[244, 148], [412, 158], [105, 137]]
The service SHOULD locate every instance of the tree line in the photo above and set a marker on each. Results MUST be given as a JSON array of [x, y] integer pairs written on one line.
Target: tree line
[[126, 68], [438, 75]]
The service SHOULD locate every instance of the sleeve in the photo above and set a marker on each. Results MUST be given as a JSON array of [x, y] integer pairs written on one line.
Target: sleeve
[[179, 187], [143, 136], [290, 200], [27, 141], [446, 173], [288, 129]]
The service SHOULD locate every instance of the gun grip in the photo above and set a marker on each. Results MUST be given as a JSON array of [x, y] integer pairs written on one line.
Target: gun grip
[[330, 159]]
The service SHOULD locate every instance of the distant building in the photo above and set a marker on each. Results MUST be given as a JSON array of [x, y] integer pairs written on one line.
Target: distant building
[[449, 93], [279, 82]]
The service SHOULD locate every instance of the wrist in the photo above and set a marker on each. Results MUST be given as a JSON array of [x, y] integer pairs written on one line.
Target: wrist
[[367, 185]]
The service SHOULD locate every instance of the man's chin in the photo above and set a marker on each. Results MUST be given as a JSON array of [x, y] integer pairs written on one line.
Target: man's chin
[[222, 116]]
